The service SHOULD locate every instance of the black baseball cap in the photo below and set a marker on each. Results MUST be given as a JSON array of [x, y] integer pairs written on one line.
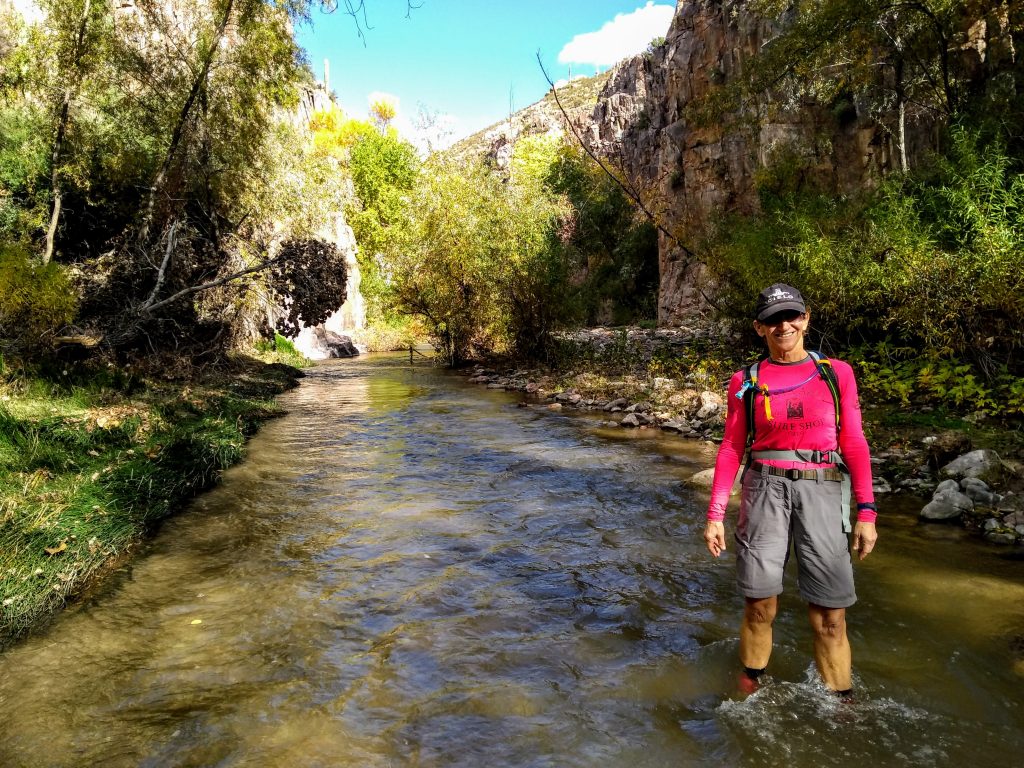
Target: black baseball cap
[[776, 298]]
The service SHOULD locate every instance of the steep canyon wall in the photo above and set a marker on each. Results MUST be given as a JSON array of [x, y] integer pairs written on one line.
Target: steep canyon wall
[[693, 172]]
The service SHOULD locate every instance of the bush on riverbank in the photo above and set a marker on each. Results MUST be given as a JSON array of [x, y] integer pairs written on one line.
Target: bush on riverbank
[[89, 463]]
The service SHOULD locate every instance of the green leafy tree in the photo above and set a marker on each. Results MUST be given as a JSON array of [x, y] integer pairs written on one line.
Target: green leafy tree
[[475, 260], [384, 169], [613, 250]]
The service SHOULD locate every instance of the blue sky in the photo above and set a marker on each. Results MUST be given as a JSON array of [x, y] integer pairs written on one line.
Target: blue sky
[[468, 60]]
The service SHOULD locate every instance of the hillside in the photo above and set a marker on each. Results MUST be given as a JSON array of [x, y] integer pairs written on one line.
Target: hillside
[[578, 98]]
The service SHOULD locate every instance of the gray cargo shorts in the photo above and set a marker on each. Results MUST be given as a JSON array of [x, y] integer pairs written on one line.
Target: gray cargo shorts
[[776, 510]]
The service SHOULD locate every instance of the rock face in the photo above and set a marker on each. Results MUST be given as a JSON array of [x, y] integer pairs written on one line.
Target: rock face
[[690, 173]]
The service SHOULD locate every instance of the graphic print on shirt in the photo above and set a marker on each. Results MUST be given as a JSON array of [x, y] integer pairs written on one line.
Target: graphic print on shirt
[[794, 409]]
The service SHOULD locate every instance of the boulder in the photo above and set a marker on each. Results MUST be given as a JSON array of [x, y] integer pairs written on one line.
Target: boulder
[[337, 345], [704, 479], [707, 411], [983, 464], [1001, 537], [973, 482], [947, 505], [938, 510], [981, 497]]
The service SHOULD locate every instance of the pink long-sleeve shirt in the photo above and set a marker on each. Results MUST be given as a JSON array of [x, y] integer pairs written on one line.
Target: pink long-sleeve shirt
[[803, 419]]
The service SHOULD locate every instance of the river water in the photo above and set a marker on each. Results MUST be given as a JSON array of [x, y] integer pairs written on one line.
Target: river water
[[408, 570]]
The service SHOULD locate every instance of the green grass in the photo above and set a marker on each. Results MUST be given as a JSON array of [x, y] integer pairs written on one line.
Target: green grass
[[281, 350], [85, 472]]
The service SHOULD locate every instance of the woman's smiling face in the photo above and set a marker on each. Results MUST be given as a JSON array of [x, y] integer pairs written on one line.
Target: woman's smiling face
[[784, 334]]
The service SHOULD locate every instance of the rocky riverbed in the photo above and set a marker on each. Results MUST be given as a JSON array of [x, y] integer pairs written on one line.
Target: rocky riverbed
[[956, 484]]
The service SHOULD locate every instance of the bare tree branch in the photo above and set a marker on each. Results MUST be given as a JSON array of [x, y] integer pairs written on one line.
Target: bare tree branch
[[163, 268], [62, 127], [148, 310]]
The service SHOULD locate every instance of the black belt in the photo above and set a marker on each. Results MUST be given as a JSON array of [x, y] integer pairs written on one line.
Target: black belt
[[832, 475]]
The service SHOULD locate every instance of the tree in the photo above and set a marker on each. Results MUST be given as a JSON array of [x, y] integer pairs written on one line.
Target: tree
[[475, 260], [384, 169], [612, 248], [895, 60]]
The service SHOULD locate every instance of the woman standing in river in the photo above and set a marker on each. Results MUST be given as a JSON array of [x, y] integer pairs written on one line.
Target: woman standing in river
[[801, 415]]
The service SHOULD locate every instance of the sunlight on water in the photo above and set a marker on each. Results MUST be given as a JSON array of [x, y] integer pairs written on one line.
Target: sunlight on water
[[407, 570]]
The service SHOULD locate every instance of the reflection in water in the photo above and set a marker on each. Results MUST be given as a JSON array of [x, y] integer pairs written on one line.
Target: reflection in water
[[407, 571]]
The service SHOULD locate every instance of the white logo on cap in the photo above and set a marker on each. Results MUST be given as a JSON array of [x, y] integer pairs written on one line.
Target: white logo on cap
[[779, 295]]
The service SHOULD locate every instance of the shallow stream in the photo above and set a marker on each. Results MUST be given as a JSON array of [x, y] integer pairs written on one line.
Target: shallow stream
[[408, 570]]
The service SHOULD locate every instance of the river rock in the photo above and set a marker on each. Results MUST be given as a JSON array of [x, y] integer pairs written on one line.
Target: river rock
[[704, 479], [983, 464], [710, 404], [619, 402], [674, 426], [975, 483], [1001, 537], [947, 505], [979, 492], [1013, 519], [630, 420], [337, 345], [1011, 502], [947, 485]]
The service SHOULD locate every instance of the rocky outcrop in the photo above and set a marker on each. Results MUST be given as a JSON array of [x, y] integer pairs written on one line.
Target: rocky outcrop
[[690, 172], [495, 145]]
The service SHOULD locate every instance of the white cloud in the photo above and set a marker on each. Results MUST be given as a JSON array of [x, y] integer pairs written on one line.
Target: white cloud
[[626, 35]]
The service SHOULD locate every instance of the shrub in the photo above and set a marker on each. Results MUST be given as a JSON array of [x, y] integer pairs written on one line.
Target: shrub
[[35, 301], [935, 260]]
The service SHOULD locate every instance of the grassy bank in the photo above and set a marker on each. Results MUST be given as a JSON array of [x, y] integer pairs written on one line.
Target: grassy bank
[[89, 463]]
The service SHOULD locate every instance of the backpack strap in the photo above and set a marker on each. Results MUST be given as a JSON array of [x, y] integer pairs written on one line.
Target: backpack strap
[[828, 375], [748, 390]]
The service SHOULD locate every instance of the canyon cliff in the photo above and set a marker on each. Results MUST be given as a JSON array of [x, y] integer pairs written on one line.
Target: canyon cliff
[[690, 172]]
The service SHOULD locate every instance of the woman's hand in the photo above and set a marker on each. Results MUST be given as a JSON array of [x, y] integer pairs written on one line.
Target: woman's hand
[[864, 538], [714, 537]]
